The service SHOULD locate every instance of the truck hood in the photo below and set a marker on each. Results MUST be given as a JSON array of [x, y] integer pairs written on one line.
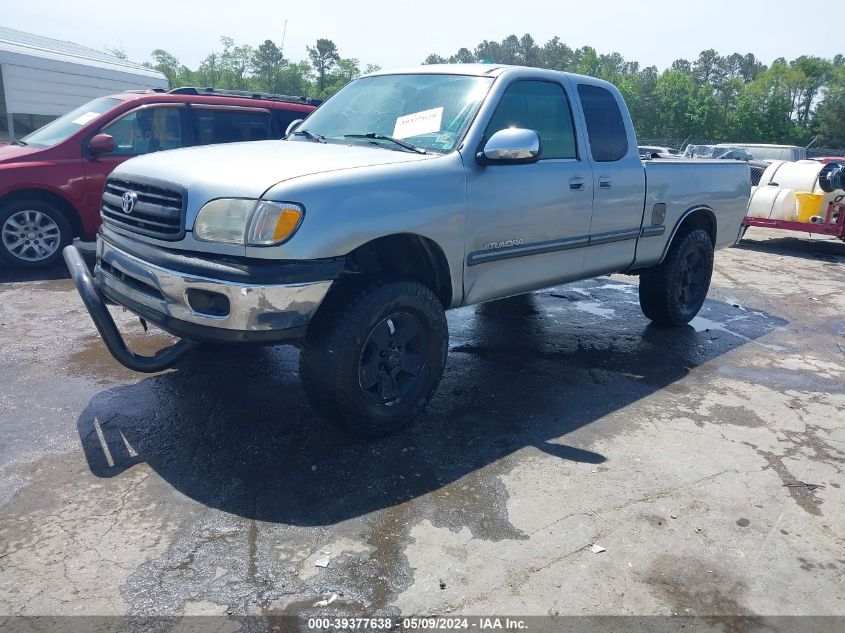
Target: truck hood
[[249, 169]]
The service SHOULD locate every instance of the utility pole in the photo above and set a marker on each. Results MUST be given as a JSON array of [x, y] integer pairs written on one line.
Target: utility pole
[[284, 33]]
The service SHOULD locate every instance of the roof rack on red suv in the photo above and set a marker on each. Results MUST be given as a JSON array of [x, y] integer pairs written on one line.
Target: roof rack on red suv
[[243, 94]]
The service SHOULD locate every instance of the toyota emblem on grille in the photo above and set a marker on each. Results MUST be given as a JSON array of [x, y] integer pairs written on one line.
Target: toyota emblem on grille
[[128, 200]]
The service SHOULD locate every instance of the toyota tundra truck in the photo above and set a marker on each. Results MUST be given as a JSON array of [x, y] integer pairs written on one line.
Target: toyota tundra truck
[[406, 194]]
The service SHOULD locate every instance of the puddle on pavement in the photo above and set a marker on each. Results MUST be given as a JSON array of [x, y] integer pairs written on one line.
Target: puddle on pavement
[[594, 308], [94, 361], [703, 324]]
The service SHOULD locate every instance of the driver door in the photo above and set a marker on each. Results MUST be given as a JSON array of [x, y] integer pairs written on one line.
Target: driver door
[[528, 224]]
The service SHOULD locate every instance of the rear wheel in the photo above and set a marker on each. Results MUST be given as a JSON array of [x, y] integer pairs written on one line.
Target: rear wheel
[[374, 355], [32, 233], [673, 292]]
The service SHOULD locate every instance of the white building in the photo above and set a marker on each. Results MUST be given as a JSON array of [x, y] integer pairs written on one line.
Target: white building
[[42, 78]]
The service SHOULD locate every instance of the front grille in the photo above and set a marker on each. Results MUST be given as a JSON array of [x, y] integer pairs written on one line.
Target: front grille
[[158, 212]]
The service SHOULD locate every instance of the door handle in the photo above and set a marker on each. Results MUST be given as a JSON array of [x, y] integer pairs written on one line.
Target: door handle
[[605, 183], [576, 183]]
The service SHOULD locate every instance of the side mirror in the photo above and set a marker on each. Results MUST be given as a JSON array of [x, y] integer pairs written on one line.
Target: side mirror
[[101, 144], [292, 127], [511, 146]]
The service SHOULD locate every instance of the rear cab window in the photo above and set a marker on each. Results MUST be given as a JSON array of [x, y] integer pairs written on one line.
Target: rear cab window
[[605, 125]]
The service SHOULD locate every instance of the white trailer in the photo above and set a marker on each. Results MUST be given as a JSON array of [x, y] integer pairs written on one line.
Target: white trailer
[[43, 78]]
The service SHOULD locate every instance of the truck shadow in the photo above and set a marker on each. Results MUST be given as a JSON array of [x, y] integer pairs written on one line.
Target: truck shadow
[[230, 428], [828, 250]]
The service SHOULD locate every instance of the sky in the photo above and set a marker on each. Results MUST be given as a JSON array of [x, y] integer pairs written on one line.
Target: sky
[[403, 33]]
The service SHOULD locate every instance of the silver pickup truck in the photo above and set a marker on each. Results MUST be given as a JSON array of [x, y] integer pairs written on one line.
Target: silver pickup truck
[[405, 194]]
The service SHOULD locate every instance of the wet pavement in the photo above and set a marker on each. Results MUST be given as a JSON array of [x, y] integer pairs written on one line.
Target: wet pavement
[[707, 460]]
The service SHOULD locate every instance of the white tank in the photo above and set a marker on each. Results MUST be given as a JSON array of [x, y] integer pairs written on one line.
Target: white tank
[[770, 171], [802, 175], [774, 203]]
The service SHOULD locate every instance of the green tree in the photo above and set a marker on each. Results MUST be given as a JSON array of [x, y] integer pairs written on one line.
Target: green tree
[[345, 71], [294, 79], [210, 71], [169, 66], [814, 73], [324, 57], [829, 123], [529, 52], [674, 92], [556, 55], [489, 53], [267, 63], [434, 59], [707, 68], [463, 56], [587, 61], [510, 51], [235, 63]]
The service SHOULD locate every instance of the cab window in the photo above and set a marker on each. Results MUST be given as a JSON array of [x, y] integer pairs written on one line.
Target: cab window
[[541, 106], [147, 130], [605, 126]]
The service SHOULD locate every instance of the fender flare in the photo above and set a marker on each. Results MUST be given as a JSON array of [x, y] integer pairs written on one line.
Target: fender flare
[[686, 214]]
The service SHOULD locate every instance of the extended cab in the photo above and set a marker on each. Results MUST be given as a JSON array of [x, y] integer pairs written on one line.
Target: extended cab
[[405, 194], [51, 181]]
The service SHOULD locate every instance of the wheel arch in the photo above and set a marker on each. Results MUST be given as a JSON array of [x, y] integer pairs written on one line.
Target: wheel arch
[[700, 216], [49, 197], [410, 255]]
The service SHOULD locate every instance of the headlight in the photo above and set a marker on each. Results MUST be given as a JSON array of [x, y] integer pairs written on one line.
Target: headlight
[[273, 222], [223, 220], [245, 221]]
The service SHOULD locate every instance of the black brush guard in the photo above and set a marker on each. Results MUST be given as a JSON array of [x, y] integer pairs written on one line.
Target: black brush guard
[[96, 306]]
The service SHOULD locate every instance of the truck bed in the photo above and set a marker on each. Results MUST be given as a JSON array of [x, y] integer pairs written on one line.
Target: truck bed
[[679, 185]]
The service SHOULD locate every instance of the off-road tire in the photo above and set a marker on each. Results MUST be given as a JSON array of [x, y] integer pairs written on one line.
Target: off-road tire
[[56, 216], [663, 297], [339, 336]]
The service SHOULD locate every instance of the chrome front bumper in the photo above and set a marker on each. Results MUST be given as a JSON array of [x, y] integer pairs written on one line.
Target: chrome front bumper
[[261, 313]]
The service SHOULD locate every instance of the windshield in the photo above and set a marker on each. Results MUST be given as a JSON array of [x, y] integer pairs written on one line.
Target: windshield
[[431, 112], [58, 130]]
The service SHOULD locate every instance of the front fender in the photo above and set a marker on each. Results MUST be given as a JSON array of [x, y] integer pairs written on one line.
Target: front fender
[[347, 208]]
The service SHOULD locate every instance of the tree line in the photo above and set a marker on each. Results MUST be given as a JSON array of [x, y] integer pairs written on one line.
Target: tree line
[[262, 68], [733, 97]]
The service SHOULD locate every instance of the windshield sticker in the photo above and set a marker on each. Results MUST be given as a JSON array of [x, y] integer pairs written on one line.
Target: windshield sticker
[[417, 123], [85, 118]]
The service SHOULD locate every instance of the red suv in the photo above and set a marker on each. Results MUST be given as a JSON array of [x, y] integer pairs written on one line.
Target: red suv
[[51, 181]]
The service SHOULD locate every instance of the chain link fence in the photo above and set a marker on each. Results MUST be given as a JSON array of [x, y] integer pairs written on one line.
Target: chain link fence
[[680, 144]]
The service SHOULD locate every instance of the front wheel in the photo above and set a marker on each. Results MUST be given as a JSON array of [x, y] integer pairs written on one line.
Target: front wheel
[[673, 292], [32, 233], [374, 355]]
